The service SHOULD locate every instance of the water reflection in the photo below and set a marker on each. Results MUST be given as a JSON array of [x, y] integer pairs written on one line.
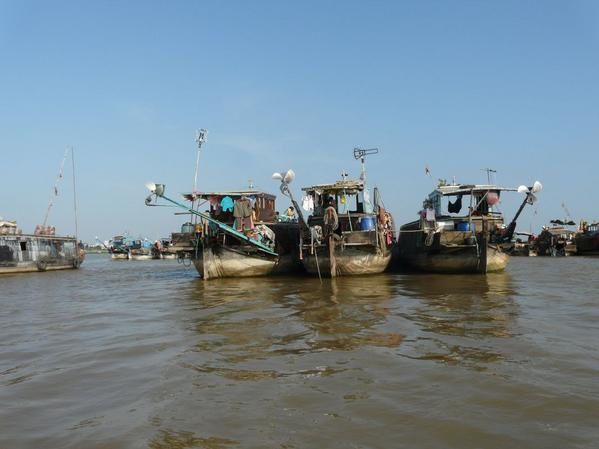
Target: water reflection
[[248, 328], [459, 316]]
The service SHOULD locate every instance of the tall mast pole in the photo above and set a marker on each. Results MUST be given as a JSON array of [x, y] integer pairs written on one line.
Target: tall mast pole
[[75, 206]]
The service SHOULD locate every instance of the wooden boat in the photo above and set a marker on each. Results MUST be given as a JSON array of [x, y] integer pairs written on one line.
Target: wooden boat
[[345, 233], [223, 245], [40, 251], [140, 250], [118, 247], [163, 249], [345, 237], [444, 241], [587, 239], [522, 244], [556, 239]]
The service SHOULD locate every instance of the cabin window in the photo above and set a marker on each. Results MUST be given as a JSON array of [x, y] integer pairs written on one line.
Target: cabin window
[[23, 246]]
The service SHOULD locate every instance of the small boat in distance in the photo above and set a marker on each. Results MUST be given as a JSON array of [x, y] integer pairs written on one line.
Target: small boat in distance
[[557, 239], [118, 247], [345, 233], [163, 249], [446, 240], [140, 249]]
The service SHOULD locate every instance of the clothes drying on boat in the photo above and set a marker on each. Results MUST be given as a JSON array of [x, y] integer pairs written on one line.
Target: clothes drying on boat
[[226, 204]]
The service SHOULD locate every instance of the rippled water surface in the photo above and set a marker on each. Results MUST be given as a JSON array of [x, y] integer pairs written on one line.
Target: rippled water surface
[[146, 355]]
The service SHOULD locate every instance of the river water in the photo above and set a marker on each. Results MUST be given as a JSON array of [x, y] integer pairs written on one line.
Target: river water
[[146, 355]]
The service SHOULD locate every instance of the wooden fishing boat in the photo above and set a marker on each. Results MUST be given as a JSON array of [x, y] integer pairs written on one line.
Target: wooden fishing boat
[[345, 234], [522, 244], [40, 251], [163, 249], [557, 239], [141, 250], [228, 242], [446, 240], [118, 247]]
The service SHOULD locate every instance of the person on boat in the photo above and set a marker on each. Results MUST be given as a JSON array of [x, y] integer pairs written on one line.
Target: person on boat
[[330, 218], [290, 212], [242, 211]]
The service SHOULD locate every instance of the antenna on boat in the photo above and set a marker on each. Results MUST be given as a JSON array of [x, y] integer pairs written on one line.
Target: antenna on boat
[[361, 153], [200, 139], [489, 171]]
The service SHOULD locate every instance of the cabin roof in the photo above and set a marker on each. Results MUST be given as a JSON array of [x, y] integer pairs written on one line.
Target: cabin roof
[[8, 224], [233, 194], [468, 189], [347, 186]]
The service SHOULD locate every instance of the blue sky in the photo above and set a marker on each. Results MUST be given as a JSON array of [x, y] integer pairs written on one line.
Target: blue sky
[[455, 85]]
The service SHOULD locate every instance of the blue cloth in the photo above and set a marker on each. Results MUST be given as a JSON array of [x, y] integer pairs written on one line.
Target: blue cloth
[[227, 204]]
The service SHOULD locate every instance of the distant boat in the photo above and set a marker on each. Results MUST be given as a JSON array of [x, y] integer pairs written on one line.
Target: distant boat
[[346, 233], [556, 240], [522, 244], [118, 247], [163, 249], [227, 241], [40, 251], [140, 250], [587, 239], [447, 240]]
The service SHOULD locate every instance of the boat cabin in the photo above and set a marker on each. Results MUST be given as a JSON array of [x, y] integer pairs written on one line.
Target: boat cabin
[[222, 206], [349, 198], [461, 207]]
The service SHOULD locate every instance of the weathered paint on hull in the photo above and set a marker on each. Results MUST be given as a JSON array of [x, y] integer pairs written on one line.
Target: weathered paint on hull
[[465, 261], [350, 263], [223, 263]]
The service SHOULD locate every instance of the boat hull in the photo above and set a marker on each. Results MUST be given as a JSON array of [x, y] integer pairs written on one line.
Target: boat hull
[[222, 262], [350, 263], [448, 252], [463, 261]]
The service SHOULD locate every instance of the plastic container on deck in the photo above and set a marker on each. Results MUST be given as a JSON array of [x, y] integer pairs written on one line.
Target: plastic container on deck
[[367, 223], [464, 226]]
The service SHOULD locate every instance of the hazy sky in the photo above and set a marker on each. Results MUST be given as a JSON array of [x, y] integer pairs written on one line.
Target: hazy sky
[[455, 85]]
